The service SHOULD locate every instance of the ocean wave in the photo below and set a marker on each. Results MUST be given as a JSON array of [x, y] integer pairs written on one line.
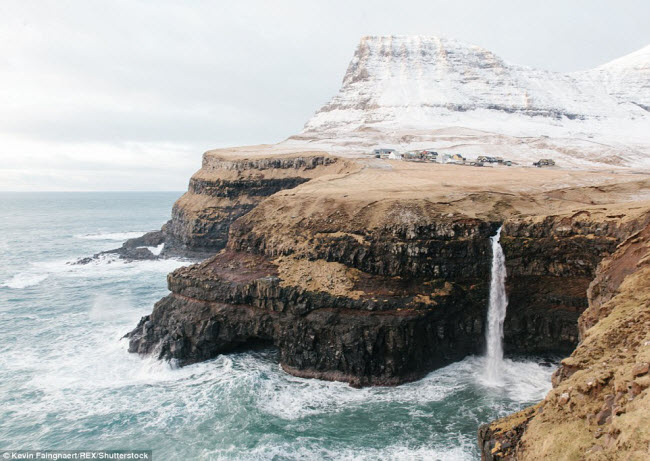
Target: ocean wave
[[24, 280], [119, 236], [217, 393], [307, 450], [107, 265], [111, 265], [155, 250]]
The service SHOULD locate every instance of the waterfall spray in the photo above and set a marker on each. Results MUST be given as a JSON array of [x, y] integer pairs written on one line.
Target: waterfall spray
[[496, 311]]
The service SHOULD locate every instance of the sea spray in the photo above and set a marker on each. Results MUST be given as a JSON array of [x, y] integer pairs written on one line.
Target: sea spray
[[496, 312], [61, 355]]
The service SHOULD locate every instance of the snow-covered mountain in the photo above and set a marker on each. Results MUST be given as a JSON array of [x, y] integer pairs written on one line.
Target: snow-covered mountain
[[415, 91]]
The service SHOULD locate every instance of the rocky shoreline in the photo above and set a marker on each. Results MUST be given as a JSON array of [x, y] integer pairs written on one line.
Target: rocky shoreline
[[356, 281], [219, 193]]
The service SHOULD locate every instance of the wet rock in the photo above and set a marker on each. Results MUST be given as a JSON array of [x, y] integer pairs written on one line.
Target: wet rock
[[234, 299]]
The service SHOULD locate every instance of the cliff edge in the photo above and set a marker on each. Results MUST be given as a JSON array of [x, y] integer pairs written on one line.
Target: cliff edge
[[599, 407], [376, 272]]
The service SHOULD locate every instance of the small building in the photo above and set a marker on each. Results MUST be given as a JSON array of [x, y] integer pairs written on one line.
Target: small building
[[395, 156], [544, 162], [382, 152], [430, 155], [445, 158], [507, 163], [458, 158], [414, 156], [482, 159]]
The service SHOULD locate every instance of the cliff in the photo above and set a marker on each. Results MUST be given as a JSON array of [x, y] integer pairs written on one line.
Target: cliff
[[376, 275], [227, 187], [230, 183], [599, 405]]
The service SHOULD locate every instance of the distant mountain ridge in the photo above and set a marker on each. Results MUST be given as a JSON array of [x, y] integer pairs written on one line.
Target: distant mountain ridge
[[402, 90]]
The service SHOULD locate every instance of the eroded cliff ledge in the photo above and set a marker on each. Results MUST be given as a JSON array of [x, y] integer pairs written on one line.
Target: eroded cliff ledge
[[230, 183], [378, 272], [599, 407]]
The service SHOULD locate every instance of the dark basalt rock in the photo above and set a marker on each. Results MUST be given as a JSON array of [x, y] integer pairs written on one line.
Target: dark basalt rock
[[199, 234], [388, 334], [132, 250], [447, 249], [234, 187], [236, 298]]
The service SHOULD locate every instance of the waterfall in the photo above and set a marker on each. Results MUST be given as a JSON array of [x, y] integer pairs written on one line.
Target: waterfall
[[496, 312]]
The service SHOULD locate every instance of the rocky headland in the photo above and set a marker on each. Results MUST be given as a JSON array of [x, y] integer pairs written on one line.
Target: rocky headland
[[229, 184], [376, 272]]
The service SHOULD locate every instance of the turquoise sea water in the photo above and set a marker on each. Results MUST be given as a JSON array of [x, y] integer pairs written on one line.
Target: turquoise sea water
[[67, 381]]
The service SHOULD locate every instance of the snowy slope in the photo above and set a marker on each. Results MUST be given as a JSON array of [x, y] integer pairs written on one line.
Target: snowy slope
[[415, 91]]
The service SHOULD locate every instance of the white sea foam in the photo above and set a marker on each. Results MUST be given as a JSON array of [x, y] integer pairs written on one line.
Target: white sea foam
[[24, 280], [107, 307], [220, 390], [290, 397], [308, 450], [522, 381], [106, 265], [155, 250], [119, 236]]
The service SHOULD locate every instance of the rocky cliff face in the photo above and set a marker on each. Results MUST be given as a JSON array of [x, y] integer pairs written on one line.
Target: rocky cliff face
[[223, 190], [374, 290], [599, 405], [226, 187], [380, 332], [550, 263]]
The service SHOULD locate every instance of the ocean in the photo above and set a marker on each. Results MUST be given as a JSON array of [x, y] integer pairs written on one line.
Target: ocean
[[68, 382]]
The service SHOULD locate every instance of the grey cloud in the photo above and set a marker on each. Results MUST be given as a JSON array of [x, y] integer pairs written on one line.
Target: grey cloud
[[205, 74]]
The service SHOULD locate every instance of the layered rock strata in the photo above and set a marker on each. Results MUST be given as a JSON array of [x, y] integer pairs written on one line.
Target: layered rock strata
[[356, 285], [381, 332], [226, 187], [600, 402]]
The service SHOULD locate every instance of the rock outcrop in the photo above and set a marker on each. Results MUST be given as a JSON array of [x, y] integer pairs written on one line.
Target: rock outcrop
[[355, 281], [230, 183], [600, 402], [380, 332], [226, 188]]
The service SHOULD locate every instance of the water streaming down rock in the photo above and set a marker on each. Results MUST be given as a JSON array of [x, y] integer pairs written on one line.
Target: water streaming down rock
[[496, 312]]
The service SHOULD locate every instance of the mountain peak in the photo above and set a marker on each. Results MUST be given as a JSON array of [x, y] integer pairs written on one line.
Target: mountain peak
[[639, 59], [401, 88], [405, 57]]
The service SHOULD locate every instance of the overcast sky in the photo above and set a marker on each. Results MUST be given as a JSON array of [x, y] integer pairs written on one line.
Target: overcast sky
[[127, 95]]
